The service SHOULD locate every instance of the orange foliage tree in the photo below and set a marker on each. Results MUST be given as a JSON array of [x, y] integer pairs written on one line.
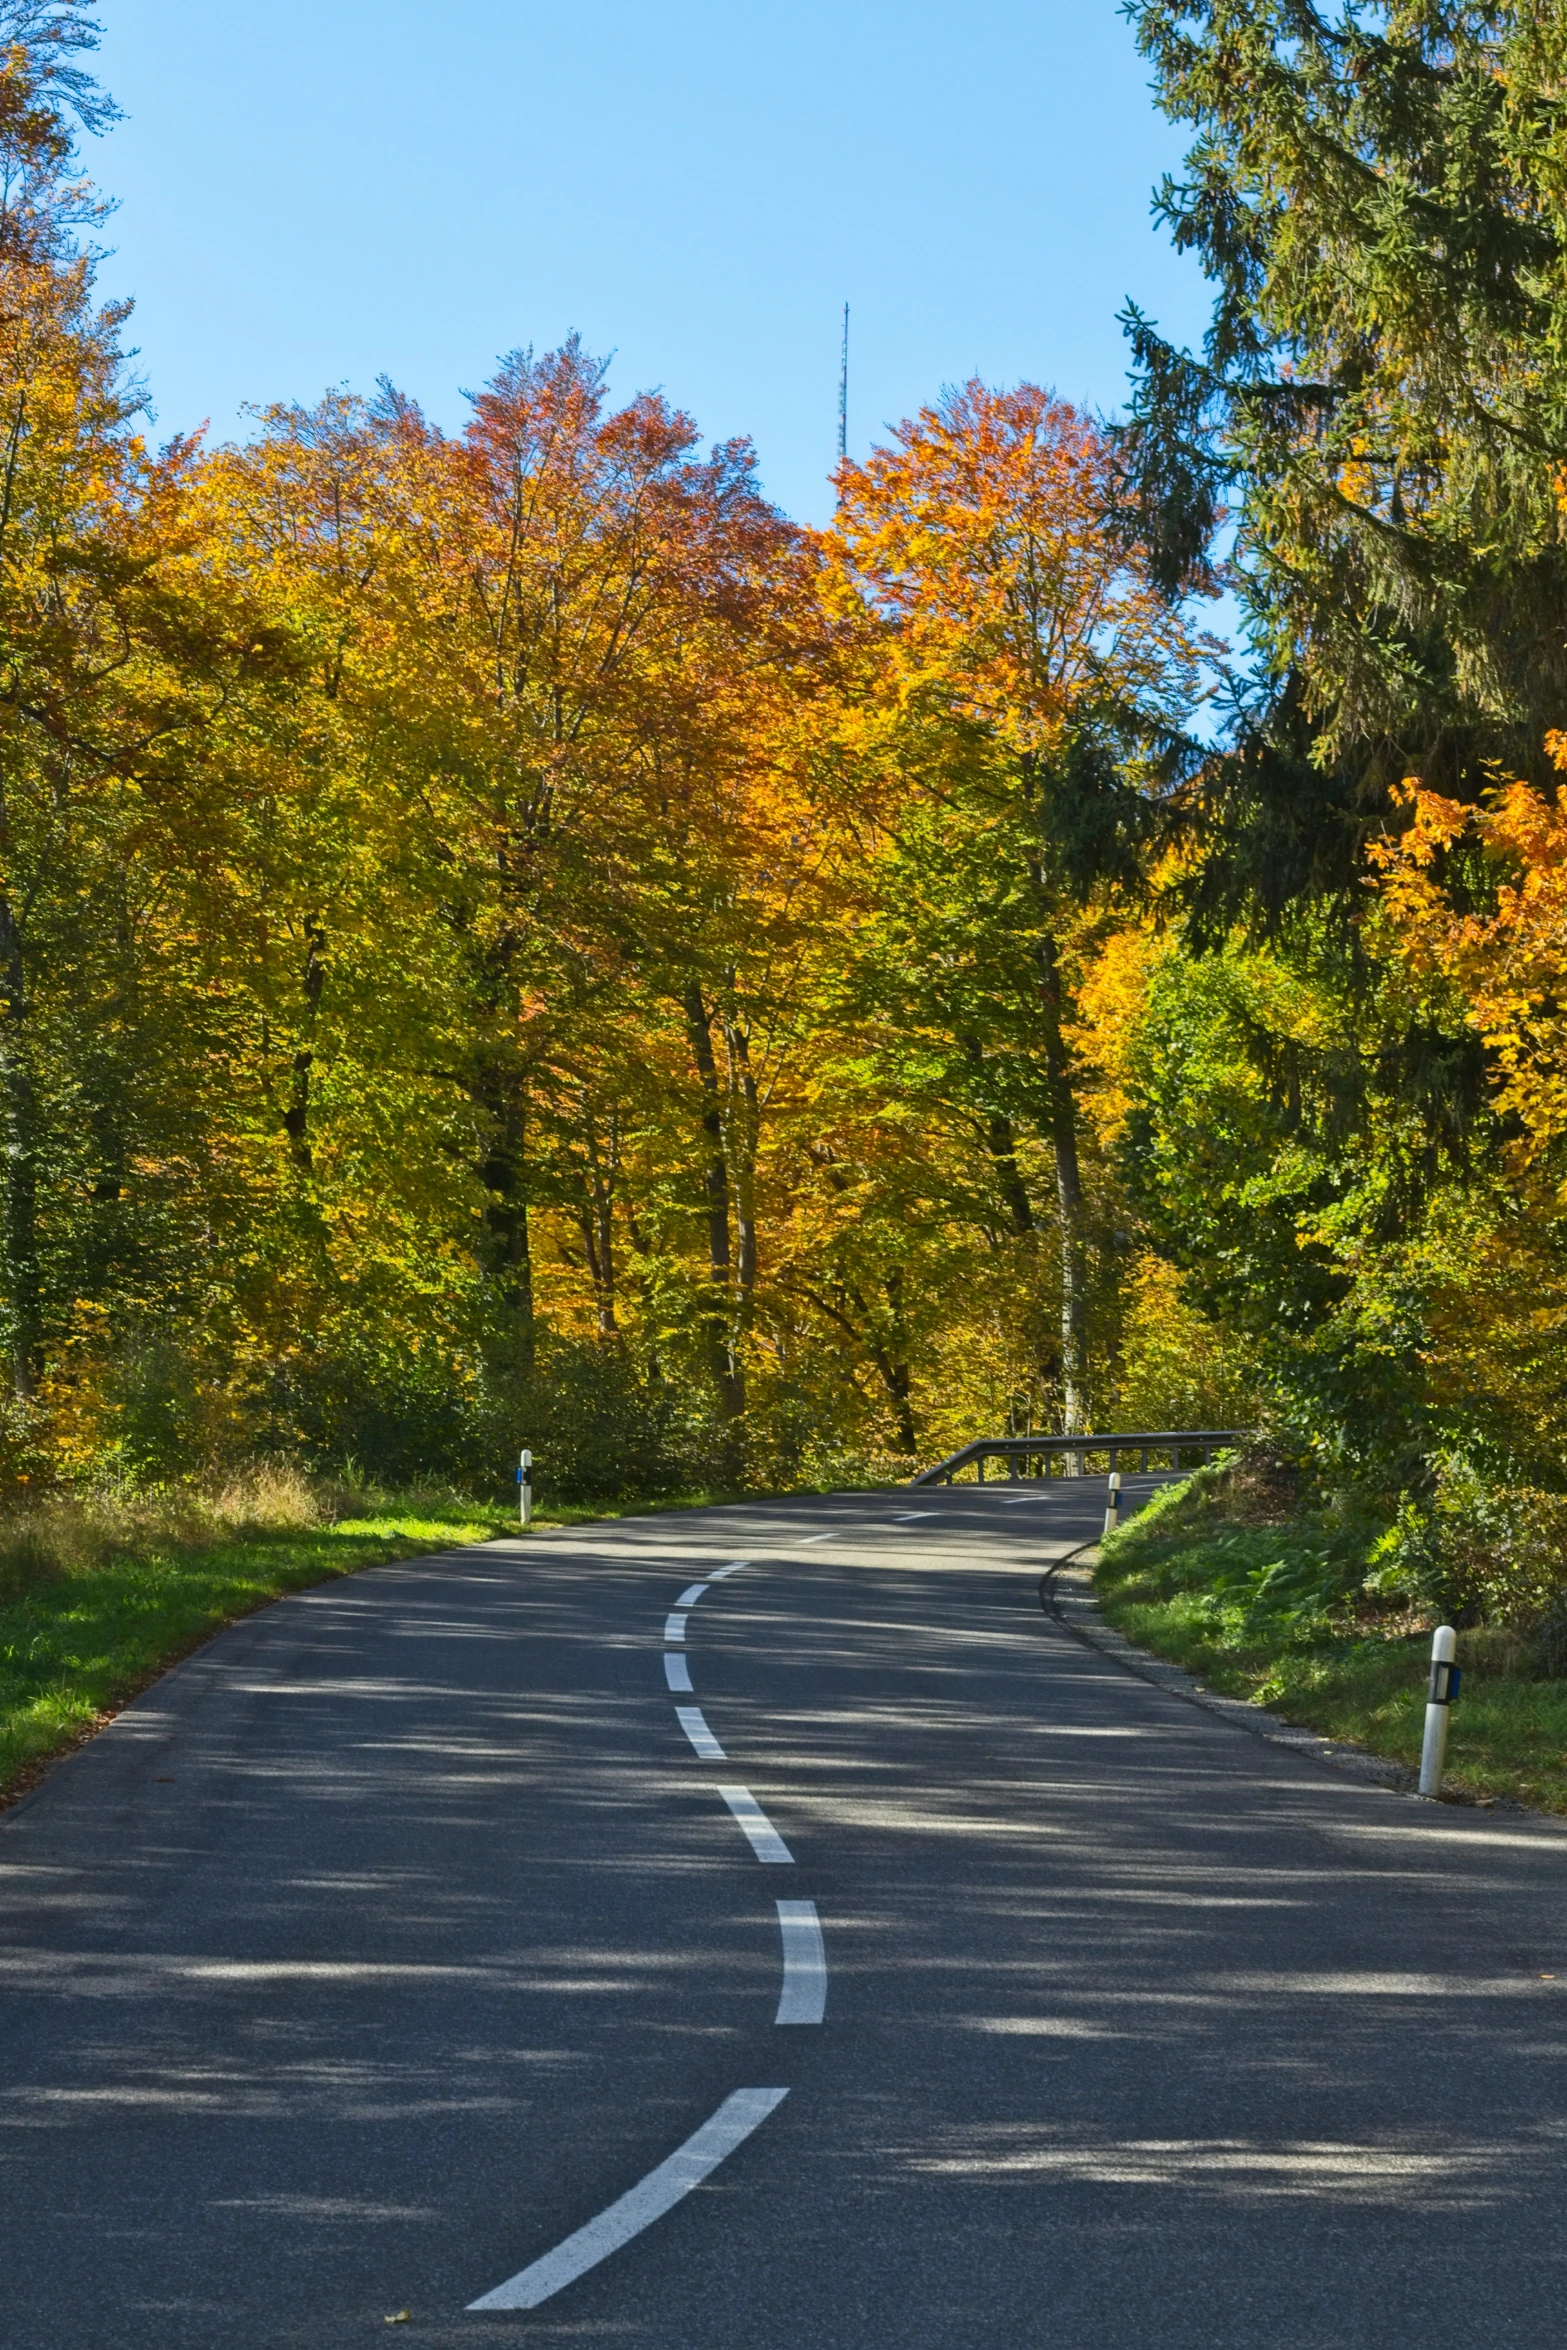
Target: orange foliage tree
[[541, 846], [1506, 962]]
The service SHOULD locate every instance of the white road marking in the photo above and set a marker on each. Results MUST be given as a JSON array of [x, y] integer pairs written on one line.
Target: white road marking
[[675, 1627], [819, 1537], [764, 1838], [741, 2112], [907, 1517], [701, 1737], [691, 1594], [676, 1671], [733, 1568], [803, 1999]]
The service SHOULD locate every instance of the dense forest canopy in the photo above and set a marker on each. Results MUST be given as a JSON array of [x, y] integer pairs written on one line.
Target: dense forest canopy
[[505, 937]]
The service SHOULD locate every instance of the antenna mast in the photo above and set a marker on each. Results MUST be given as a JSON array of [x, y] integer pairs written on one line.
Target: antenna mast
[[843, 392]]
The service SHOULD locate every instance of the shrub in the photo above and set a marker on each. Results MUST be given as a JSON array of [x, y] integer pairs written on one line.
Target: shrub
[[64, 1534], [1477, 1551], [1242, 1543]]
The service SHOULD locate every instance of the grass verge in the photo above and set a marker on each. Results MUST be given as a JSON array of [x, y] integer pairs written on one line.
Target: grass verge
[[77, 1644], [1275, 1612]]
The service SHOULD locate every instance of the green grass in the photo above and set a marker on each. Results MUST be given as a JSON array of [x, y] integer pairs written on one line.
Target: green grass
[[1273, 1613]]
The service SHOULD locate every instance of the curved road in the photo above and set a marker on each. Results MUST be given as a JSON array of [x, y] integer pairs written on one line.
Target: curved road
[[405, 1936]]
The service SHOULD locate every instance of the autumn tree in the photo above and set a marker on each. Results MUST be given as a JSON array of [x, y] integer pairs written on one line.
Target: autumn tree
[[645, 621], [116, 655], [1029, 681]]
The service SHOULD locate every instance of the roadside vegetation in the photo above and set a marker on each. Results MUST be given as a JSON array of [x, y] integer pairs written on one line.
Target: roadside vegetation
[[1261, 1581], [99, 1593]]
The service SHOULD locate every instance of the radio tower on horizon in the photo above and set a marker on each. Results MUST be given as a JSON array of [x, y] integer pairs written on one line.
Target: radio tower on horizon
[[843, 392]]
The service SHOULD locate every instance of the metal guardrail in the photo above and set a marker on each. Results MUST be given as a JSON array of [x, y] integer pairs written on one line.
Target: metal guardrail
[[1072, 1451]]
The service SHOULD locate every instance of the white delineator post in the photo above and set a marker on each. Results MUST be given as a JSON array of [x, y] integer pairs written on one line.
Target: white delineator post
[[1439, 1698], [1113, 1502], [525, 1487]]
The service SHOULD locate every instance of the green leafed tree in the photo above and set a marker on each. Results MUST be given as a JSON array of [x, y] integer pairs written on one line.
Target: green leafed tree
[[1370, 443]]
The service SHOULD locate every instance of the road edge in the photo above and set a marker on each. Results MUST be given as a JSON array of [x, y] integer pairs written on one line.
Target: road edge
[[1066, 1593]]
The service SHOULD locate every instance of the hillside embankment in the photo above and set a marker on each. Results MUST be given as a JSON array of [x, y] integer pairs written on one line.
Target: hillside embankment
[[1306, 1607]]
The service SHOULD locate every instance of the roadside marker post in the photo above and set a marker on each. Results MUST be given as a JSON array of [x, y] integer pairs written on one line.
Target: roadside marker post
[[525, 1487], [1440, 1695], [1113, 1502]]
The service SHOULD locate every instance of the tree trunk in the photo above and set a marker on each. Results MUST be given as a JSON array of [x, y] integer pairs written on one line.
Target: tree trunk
[[596, 1217], [744, 1145], [499, 1090], [594, 1224], [23, 1277], [1075, 1419], [728, 1378], [643, 1278], [296, 1118], [1002, 1145], [897, 1379], [895, 1372]]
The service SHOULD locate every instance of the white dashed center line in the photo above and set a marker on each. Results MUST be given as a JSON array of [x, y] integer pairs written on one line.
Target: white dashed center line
[[675, 1627], [676, 1671], [691, 1594], [907, 1517], [803, 1999], [741, 2112], [763, 1837], [733, 1568], [701, 1737]]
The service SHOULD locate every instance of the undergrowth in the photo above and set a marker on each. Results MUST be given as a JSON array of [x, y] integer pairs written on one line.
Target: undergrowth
[[1235, 1576]]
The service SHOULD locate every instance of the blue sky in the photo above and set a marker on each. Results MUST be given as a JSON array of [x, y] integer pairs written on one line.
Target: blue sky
[[313, 192]]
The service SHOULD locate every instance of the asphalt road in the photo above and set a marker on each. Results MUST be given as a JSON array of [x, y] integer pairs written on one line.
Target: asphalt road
[[395, 1937]]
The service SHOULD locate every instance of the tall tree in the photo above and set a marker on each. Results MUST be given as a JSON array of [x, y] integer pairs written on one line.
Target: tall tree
[[1378, 415], [114, 655], [1031, 679]]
